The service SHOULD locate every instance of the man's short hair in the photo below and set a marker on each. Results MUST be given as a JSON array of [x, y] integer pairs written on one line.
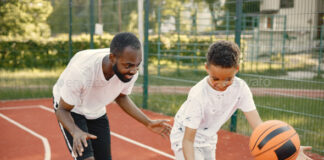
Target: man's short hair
[[123, 40], [223, 53]]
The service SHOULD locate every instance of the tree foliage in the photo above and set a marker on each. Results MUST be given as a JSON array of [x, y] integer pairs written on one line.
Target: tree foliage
[[59, 19], [25, 18]]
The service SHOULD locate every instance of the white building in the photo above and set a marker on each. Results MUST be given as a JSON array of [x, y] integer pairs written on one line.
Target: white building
[[292, 24]]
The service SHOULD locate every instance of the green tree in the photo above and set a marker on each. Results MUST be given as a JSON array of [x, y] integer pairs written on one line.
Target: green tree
[[25, 18], [59, 19]]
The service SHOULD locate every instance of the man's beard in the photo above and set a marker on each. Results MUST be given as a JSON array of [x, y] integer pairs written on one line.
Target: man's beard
[[119, 75]]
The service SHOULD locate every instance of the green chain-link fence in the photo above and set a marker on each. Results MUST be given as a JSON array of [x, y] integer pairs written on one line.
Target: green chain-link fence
[[282, 50], [282, 44]]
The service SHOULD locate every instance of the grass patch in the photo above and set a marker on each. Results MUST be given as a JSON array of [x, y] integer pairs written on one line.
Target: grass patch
[[305, 115]]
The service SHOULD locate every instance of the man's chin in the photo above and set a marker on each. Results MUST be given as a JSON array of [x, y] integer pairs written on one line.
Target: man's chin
[[125, 80]]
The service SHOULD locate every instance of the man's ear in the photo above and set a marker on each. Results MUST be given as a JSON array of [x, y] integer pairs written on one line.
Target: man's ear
[[112, 58]]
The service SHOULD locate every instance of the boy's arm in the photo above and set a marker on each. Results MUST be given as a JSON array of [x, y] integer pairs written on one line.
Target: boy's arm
[[158, 126], [253, 118], [188, 143]]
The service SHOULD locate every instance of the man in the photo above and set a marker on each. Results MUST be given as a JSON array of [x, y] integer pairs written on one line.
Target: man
[[93, 79]]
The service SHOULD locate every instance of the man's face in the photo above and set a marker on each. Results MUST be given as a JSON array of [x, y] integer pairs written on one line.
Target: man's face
[[220, 78], [126, 65]]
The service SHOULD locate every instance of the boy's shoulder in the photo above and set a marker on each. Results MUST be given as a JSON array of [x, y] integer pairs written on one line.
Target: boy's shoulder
[[198, 89], [239, 82]]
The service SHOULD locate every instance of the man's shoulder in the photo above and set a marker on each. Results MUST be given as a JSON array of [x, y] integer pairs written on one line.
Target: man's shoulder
[[93, 52]]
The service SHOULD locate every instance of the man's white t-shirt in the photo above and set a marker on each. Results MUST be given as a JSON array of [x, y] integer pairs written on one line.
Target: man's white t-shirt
[[207, 109], [83, 84]]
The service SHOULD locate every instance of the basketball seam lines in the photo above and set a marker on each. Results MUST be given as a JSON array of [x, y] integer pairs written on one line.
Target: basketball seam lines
[[272, 134], [262, 134], [276, 145]]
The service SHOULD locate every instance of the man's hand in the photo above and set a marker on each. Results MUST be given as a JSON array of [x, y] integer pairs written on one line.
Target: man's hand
[[79, 140], [160, 126], [302, 155]]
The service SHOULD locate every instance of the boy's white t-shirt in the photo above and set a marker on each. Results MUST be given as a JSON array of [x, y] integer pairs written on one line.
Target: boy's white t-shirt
[[83, 84], [207, 109]]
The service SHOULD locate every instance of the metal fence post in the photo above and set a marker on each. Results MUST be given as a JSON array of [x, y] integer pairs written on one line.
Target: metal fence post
[[284, 44], [258, 45], [146, 49], [70, 29], [227, 24], [178, 41], [91, 23], [159, 40], [271, 42], [320, 51], [194, 29], [238, 25]]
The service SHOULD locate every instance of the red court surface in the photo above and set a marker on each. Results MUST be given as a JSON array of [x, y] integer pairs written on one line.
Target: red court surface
[[29, 131]]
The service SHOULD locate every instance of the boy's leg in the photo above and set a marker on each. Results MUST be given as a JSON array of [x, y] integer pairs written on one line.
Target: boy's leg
[[199, 154], [208, 153], [101, 145], [179, 154], [80, 121]]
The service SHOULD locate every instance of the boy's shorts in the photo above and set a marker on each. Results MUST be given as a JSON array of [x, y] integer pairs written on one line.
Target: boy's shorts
[[205, 153], [98, 148]]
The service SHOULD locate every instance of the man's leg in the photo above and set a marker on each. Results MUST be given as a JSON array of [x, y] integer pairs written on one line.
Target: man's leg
[[101, 145], [80, 121]]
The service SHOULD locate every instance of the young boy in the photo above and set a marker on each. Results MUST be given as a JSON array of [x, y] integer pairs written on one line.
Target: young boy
[[210, 103]]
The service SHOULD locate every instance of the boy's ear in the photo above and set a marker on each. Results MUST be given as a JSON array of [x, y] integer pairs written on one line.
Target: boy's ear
[[207, 68]]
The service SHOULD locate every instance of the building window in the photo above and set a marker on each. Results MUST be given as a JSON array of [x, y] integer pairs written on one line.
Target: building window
[[269, 22], [286, 3]]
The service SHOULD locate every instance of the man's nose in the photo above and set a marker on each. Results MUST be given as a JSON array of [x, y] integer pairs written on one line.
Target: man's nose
[[133, 70]]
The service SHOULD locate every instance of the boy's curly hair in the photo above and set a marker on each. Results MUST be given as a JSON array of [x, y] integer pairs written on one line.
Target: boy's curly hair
[[223, 53]]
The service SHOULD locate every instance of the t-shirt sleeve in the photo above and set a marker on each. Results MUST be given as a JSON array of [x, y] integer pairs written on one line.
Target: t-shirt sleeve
[[72, 85], [246, 102], [193, 113], [128, 88]]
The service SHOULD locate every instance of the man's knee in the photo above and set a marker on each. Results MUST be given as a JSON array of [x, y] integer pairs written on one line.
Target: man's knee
[[90, 158]]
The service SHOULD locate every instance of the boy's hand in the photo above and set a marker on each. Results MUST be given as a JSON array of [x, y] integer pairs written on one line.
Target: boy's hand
[[79, 140], [302, 155], [160, 126]]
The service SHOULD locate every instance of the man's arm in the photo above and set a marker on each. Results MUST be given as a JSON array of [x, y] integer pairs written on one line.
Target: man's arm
[[158, 126], [63, 114], [188, 143], [253, 118]]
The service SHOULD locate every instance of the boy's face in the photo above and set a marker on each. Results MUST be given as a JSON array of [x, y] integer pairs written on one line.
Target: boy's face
[[220, 78]]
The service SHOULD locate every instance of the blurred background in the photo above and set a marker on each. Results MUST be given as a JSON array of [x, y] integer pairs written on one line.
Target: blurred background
[[282, 45]]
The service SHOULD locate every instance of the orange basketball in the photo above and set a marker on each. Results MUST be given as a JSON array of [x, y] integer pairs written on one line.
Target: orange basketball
[[274, 140]]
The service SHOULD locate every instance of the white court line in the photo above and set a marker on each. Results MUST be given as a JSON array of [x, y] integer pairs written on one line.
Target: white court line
[[142, 145], [112, 133], [18, 107], [44, 140], [126, 139]]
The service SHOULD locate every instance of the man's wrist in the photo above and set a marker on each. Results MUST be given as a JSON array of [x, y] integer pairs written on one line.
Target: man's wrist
[[75, 130]]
